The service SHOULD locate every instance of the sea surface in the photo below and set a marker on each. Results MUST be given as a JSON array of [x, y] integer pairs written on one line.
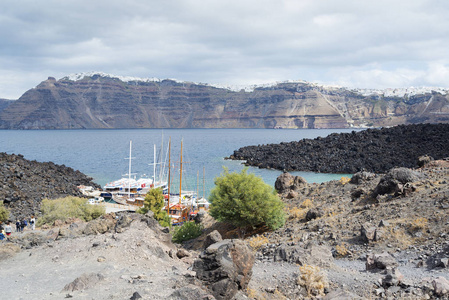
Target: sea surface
[[102, 154]]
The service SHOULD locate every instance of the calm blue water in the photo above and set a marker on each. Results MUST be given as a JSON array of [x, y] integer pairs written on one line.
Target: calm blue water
[[101, 153]]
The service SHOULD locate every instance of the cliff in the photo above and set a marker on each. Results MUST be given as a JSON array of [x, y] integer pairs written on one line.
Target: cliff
[[102, 101], [4, 103]]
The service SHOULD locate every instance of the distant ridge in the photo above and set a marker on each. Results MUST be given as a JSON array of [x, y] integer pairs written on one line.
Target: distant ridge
[[100, 100], [387, 92]]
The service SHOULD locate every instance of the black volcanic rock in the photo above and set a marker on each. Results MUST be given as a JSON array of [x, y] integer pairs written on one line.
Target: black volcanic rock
[[374, 150], [104, 101], [24, 183]]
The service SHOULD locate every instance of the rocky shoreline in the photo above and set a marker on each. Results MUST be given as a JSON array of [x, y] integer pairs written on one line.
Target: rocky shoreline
[[371, 237], [25, 183], [374, 236], [374, 150]]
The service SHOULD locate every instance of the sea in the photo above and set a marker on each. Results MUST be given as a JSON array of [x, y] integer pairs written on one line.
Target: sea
[[104, 154]]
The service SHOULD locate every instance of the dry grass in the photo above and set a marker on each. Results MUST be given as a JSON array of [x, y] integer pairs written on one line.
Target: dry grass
[[342, 250], [256, 242], [398, 237], [296, 213], [306, 204], [300, 212], [344, 180], [313, 280], [417, 224]]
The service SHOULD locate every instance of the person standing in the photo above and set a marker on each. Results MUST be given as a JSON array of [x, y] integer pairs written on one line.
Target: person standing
[[33, 223], [18, 226], [8, 229], [23, 224]]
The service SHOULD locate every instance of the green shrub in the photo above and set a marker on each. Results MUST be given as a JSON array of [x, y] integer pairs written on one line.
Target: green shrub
[[187, 231], [154, 201], [68, 207], [4, 213], [245, 200]]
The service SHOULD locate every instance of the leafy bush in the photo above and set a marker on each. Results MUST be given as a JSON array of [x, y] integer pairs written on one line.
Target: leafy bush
[[187, 231], [245, 200], [154, 201], [68, 207], [4, 213]]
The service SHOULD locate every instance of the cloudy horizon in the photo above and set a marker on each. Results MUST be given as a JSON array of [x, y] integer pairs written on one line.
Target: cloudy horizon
[[356, 44]]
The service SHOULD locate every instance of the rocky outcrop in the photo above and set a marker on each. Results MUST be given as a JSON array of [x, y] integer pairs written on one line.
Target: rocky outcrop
[[103, 101], [225, 267], [25, 183], [308, 254], [380, 261], [372, 150], [396, 180], [287, 182]]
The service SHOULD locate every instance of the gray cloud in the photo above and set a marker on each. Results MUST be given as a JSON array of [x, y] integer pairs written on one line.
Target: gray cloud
[[371, 44]]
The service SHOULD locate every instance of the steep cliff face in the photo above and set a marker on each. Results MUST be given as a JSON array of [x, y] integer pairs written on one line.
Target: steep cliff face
[[4, 103], [98, 101]]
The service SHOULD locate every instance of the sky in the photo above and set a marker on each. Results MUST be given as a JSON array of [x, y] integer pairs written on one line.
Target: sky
[[351, 43]]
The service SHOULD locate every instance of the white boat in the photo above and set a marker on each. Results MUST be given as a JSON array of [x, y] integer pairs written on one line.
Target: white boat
[[96, 200], [132, 191]]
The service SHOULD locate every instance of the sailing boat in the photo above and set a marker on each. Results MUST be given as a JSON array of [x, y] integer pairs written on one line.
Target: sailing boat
[[201, 203], [178, 212], [128, 191]]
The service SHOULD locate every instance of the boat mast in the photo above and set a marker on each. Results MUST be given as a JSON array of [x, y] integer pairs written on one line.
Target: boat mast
[[180, 176], [154, 166], [197, 185], [129, 169], [204, 182], [169, 167]]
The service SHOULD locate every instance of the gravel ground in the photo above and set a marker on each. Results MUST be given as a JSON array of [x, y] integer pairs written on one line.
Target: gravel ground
[[133, 261]]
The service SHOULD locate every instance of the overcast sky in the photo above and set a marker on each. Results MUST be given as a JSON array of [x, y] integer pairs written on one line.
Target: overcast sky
[[354, 43]]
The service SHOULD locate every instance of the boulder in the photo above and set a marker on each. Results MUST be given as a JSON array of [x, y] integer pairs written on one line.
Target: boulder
[[361, 177], [96, 227], [357, 193], [424, 160], [181, 253], [225, 267], [287, 182], [440, 286], [135, 296], [314, 213], [393, 278], [310, 254], [380, 261], [368, 232], [212, 238], [442, 262], [393, 182], [123, 222]]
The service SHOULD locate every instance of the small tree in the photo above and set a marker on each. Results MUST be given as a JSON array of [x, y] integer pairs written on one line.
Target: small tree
[[245, 200], [4, 213], [154, 201]]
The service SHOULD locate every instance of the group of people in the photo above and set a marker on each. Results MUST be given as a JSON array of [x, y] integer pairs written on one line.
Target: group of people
[[7, 230]]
